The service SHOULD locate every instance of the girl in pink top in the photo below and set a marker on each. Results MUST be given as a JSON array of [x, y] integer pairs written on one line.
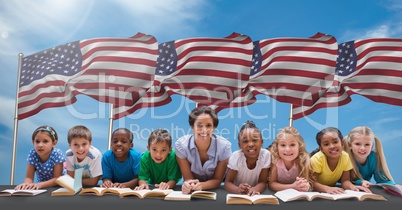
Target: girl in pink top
[[290, 162]]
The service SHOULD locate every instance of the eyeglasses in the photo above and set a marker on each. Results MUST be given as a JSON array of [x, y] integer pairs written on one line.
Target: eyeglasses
[[48, 129]]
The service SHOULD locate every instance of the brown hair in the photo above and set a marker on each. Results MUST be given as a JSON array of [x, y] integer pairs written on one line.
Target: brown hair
[[48, 129], [160, 135], [79, 131]]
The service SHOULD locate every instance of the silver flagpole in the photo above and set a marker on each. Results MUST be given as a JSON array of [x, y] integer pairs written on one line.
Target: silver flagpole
[[291, 116], [110, 126], [15, 134]]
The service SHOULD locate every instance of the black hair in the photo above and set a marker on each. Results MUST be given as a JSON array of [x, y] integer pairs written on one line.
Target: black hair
[[319, 135], [130, 134], [203, 110], [248, 124]]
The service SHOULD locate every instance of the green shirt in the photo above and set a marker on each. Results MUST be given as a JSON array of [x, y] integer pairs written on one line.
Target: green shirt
[[155, 173]]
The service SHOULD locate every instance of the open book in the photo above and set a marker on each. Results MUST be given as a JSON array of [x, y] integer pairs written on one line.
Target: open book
[[99, 191], [292, 194], [391, 188], [70, 186], [179, 196], [12, 192], [254, 199], [146, 193]]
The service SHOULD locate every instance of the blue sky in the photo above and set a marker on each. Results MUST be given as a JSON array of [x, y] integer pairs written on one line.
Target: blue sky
[[31, 26]]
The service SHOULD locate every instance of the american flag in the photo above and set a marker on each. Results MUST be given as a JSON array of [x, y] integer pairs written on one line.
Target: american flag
[[209, 71], [368, 67], [112, 70], [290, 70]]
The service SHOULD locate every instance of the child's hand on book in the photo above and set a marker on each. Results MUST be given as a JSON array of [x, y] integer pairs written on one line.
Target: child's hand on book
[[190, 185], [366, 183], [301, 184], [244, 188], [141, 187], [252, 191], [27, 186], [335, 190], [360, 188], [106, 184], [162, 186], [119, 185]]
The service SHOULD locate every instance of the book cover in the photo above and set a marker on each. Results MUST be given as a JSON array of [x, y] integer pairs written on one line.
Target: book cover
[[100, 191], [147, 193], [70, 186], [12, 192], [178, 195], [392, 189], [255, 199]]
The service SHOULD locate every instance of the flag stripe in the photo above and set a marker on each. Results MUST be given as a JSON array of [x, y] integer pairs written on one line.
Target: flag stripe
[[206, 70], [292, 70], [106, 69], [371, 68]]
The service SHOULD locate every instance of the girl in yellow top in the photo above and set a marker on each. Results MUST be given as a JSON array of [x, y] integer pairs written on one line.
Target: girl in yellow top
[[330, 164]]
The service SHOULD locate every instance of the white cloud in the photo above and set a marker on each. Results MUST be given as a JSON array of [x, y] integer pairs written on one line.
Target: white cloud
[[44, 18], [381, 31], [394, 5], [391, 27], [377, 32], [384, 128], [169, 16]]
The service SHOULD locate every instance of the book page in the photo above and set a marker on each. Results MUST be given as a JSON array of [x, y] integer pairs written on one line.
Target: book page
[[264, 199], [77, 180], [363, 195], [156, 193], [8, 192], [178, 195], [257, 199], [292, 194], [204, 194], [115, 190], [359, 195], [66, 181], [70, 183], [92, 190], [103, 190], [62, 191]]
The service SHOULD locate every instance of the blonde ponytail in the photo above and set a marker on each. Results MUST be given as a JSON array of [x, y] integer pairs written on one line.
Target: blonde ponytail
[[381, 161], [355, 175]]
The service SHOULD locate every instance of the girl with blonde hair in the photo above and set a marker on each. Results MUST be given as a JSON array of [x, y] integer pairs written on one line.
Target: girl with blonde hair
[[368, 160], [290, 164]]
